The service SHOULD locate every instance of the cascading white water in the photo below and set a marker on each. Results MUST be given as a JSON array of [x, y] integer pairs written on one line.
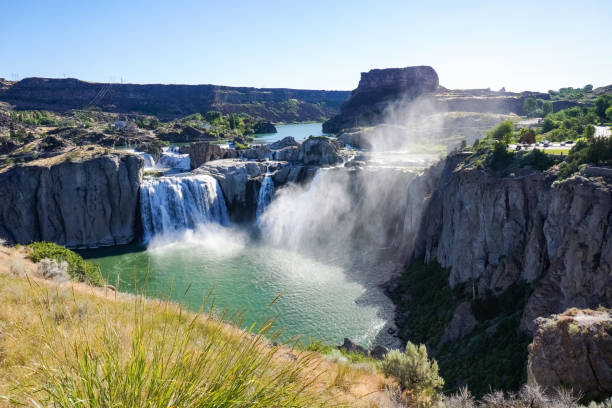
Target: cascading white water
[[149, 161], [266, 193], [171, 159], [171, 204]]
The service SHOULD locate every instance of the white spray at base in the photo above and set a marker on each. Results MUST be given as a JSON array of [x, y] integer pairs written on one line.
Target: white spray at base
[[172, 204]]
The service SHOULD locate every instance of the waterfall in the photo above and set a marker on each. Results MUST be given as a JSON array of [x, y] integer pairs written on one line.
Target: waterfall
[[170, 204], [266, 192], [171, 159], [149, 161]]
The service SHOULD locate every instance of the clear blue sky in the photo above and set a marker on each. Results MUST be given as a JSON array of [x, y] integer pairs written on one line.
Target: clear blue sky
[[535, 45]]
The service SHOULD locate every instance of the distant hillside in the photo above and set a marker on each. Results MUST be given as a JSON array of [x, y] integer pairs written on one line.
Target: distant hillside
[[172, 101]]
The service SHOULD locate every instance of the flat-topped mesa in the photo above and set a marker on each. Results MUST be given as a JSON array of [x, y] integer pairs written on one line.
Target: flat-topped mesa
[[378, 87], [410, 81]]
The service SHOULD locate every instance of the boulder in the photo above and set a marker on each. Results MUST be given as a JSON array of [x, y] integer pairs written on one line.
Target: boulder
[[83, 198], [319, 151], [255, 153], [284, 142], [290, 154], [203, 152], [573, 349], [378, 352]]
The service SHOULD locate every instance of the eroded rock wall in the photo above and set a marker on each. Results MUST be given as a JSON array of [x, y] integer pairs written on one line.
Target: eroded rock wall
[[72, 200], [496, 231]]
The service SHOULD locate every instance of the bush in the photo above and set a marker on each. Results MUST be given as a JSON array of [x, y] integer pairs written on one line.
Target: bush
[[78, 269], [501, 157], [501, 131], [413, 370], [537, 159]]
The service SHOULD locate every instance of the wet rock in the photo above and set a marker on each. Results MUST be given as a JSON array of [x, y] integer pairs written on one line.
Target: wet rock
[[256, 153], [349, 347], [378, 352], [290, 153], [319, 151], [203, 152]]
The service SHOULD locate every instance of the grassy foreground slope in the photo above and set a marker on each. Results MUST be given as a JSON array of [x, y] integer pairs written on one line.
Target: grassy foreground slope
[[73, 345]]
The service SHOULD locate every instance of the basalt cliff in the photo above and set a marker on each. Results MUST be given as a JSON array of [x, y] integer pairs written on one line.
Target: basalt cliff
[[494, 231], [172, 101], [83, 198]]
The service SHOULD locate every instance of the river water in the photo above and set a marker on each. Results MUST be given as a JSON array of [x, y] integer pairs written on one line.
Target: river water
[[321, 291]]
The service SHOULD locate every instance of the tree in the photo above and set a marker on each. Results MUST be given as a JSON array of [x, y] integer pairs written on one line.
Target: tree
[[609, 113], [602, 103], [547, 108], [211, 116], [501, 131], [589, 131], [548, 124], [530, 106], [588, 88], [527, 136]]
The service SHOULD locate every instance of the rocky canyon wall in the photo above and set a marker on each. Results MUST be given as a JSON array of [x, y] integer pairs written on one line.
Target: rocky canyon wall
[[84, 198], [496, 231]]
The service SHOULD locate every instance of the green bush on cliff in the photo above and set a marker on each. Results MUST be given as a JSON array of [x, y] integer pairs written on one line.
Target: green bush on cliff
[[413, 369], [493, 355], [425, 302], [78, 269], [537, 159]]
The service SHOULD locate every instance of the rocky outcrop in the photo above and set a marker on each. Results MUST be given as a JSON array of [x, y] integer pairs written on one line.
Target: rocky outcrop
[[203, 152], [319, 151], [377, 88], [462, 324], [172, 101], [264, 127], [573, 349], [284, 142], [386, 95], [496, 231], [83, 198]]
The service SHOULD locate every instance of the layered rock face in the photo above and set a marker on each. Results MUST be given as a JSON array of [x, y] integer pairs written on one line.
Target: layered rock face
[[497, 231], [171, 101], [84, 198], [240, 173], [202, 152], [377, 88], [573, 349]]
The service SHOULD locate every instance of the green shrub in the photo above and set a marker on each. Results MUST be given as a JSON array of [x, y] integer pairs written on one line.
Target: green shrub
[[319, 347], [502, 130], [425, 302], [500, 157], [537, 159], [78, 269], [413, 369]]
